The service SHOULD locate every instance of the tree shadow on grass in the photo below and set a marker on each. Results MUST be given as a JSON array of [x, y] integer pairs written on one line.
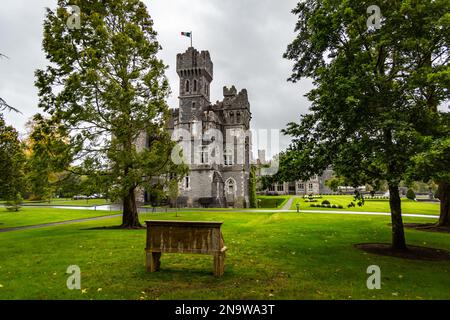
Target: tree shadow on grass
[[412, 253], [112, 228], [429, 227]]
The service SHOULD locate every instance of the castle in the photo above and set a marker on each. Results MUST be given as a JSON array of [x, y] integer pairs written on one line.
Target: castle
[[215, 138]]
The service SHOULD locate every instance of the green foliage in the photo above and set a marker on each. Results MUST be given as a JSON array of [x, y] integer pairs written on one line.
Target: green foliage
[[252, 188], [334, 183], [271, 201], [13, 203], [107, 87], [376, 91], [410, 194], [12, 162], [325, 202], [48, 153]]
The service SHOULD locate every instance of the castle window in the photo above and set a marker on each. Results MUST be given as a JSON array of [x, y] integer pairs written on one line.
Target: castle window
[[228, 157], [271, 188], [280, 188], [187, 88], [238, 117], [301, 186], [187, 182], [193, 105], [231, 186], [231, 117], [204, 154], [310, 186], [195, 85]]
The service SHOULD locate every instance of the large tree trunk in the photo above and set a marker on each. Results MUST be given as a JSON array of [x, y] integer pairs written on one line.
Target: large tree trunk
[[444, 197], [130, 218], [398, 234]]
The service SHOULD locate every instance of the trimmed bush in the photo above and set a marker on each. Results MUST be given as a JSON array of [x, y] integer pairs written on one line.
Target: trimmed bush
[[325, 202], [410, 194]]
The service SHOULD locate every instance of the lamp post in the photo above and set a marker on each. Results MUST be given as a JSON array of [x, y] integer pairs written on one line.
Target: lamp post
[[298, 207]]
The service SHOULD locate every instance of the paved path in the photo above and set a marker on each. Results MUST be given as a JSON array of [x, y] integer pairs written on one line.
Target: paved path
[[288, 204], [143, 210]]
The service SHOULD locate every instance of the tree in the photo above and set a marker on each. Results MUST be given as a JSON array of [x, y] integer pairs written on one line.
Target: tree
[[106, 85], [370, 112], [48, 151], [434, 163], [12, 160], [252, 188]]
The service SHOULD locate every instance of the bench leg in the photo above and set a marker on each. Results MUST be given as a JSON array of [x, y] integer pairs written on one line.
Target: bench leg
[[153, 261], [219, 264]]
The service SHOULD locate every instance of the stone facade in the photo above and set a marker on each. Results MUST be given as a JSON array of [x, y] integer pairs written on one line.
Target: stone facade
[[215, 138], [315, 185]]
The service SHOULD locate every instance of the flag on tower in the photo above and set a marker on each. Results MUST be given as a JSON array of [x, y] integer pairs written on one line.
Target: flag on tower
[[187, 34]]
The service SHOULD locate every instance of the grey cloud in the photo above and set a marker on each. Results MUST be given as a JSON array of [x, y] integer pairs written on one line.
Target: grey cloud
[[246, 39]]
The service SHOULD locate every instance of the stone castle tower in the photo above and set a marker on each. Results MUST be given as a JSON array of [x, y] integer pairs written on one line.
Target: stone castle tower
[[215, 137]]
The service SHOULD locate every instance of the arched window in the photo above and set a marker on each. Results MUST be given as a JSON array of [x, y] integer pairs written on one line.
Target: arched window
[[231, 117], [195, 85], [231, 186], [228, 157], [187, 87], [238, 117]]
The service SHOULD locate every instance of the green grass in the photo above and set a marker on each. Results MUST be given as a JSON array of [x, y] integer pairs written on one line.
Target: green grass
[[271, 256], [272, 202], [33, 215], [408, 206], [67, 202]]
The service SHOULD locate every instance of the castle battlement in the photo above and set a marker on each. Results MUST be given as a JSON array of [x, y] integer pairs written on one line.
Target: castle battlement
[[194, 63]]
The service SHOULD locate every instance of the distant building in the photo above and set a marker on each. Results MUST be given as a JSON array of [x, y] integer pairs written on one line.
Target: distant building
[[315, 185]]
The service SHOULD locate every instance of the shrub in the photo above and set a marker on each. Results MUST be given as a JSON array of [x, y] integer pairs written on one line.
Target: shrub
[[312, 205], [340, 207], [13, 204], [410, 194], [325, 202]]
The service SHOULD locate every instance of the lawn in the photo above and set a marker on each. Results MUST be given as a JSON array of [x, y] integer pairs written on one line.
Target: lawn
[[271, 256], [272, 202], [35, 215], [67, 202], [408, 206]]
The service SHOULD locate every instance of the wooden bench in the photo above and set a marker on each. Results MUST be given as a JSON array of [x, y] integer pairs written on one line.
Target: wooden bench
[[184, 237]]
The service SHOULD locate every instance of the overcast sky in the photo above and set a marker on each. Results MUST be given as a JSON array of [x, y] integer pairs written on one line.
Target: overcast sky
[[246, 40]]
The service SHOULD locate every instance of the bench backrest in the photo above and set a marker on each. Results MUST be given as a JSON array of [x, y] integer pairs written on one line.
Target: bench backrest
[[184, 236]]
